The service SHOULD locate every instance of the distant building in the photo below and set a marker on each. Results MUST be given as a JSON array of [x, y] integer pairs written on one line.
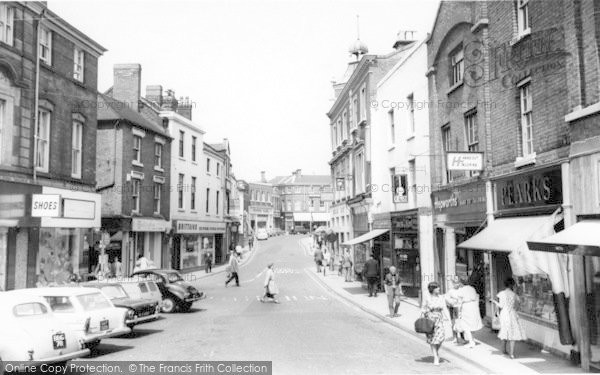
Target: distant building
[[260, 210], [305, 199], [49, 208]]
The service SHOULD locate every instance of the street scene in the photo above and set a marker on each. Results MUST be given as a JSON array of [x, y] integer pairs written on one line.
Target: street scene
[[286, 187]]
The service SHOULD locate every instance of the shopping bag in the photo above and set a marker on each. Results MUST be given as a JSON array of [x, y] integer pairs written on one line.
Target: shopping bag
[[424, 325], [496, 323], [459, 325]]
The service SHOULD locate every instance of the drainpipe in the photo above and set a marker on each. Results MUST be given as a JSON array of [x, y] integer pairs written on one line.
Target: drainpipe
[[37, 94]]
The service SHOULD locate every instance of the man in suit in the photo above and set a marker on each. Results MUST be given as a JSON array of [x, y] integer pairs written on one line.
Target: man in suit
[[371, 271]]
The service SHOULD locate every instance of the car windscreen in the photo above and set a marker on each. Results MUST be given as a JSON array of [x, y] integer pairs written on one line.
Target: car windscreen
[[60, 304], [29, 309], [93, 301], [114, 291], [173, 277]]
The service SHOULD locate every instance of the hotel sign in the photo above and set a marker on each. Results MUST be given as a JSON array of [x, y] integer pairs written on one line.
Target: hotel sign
[[464, 161]]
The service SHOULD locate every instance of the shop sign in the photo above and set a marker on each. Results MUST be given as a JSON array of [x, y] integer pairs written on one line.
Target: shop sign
[[464, 161], [405, 222], [530, 190], [45, 205], [199, 227], [147, 225], [340, 184], [382, 221], [79, 209], [467, 201]]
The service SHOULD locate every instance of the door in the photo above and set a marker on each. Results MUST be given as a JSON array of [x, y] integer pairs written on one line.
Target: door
[[218, 248], [3, 252], [592, 286]]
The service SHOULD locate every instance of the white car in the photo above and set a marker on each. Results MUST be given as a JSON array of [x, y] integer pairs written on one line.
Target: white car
[[31, 333], [262, 234], [86, 310], [140, 287]]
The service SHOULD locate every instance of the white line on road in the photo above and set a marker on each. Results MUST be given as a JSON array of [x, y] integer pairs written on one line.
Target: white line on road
[[287, 298], [234, 299], [257, 298], [294, 298]]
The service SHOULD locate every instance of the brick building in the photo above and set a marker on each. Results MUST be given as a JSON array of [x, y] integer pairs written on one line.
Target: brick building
[[49, 210], [260, 204], [133, 173]]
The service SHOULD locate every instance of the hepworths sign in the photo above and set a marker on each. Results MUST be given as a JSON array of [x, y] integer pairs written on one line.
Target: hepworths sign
[[464, 161]]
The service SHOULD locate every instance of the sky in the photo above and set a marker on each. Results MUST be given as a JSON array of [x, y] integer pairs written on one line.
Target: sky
[[257, 72]]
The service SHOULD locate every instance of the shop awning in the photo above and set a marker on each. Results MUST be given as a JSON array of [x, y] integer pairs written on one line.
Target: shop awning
[[302, 216], [365, 237], [312, 216], [506, 234], [582, 238]]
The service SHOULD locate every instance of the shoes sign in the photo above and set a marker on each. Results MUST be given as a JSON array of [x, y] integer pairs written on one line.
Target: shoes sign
[[45, 205]]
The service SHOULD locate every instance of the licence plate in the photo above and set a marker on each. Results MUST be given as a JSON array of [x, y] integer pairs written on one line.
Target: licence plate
[[59, 341], [104, 325]]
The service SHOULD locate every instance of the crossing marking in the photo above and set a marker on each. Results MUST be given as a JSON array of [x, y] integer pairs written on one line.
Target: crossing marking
[[294, 298], [247, 298], [287, 298], [257, 298], [234, 299]]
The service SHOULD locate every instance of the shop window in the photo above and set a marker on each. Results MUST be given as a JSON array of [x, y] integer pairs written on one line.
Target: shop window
[[61, 255], [537, 301]]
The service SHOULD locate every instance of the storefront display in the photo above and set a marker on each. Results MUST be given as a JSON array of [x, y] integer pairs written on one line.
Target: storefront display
[[405, 234], [535, 292], [190, 246], [60, 255]]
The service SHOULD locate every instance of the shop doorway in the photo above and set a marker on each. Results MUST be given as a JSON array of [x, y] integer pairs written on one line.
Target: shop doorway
[[592, 286], [440, 259], [3, 253], [218, 248]]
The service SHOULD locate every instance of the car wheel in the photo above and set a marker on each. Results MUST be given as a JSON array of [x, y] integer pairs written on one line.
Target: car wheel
[[185, 306], [168, 305], [92, 345]]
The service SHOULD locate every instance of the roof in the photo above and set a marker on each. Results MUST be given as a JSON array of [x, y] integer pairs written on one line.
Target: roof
[[218, 146], [112, 109], [59, 291], [302, 180]]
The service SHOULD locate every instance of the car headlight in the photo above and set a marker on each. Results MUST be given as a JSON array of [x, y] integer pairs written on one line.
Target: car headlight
[[130, 314]]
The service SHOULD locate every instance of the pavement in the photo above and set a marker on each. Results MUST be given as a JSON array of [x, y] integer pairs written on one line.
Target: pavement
[[312, 330], [487, 354]]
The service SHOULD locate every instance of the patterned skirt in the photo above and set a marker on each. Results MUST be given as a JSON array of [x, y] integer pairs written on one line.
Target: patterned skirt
[[438, 336]]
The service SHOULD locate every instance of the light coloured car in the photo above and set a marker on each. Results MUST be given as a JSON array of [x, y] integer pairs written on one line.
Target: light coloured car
[[31, 333], [262, 234], [142, 288], [86, 310]]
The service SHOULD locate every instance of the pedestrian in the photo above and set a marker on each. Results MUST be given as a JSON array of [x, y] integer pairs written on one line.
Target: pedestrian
[[208, 261], [511, 329], [347, 264], [468, 314], [393, 291], [251, 242], [234, 269], [453, 304], [340, 258], [117, 268], [371, 272], [271, 289], [434, 308], [318, 259], [326, 260], [333, 260]]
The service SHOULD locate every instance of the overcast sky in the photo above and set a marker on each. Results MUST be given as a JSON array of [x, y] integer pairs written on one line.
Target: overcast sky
[[258, 72]]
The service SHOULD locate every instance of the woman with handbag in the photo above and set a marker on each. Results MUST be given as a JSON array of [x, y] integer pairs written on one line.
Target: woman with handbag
[[271, 289], [511, 329], [434, 308]]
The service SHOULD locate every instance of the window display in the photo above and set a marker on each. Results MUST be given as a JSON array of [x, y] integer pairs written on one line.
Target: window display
[[535, 292], [190, 251], [60, 255]]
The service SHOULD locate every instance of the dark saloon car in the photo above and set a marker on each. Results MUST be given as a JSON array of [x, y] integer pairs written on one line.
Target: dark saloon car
[[176, 292], [138, 310]]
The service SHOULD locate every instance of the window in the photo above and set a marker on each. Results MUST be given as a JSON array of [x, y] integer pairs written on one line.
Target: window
[[135, 194], [363, 103], [218, 169], [180, 192], [471, 131], [158, 148], [289, 205], [193, 194], [45, 48], [217, 201], [526, 118], [207, 165], [193, 148], [413, 181], [399, 187], [411, 113], [335, 133], [137, 148], [392, 126], [523, 26], [181, 136], [42, 136], [359, 177], [355, 114], [7, 17], [321, 203], [3, 123], [228, 202], [297, 206], [446, 146], [345, 126], [157, 194], [76, 138], [457, 66], [207, 199], [312, 203], [78, 61]]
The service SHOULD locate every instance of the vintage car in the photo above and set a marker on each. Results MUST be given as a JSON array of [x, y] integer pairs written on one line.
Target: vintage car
[[142, 288], [86, 310], [31, 333], [176, 292], [139, 310], [262, 234]]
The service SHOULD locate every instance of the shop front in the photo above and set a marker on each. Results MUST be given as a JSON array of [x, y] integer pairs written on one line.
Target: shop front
[[406, 255], [528, 207], [193, 240], [362, 249]]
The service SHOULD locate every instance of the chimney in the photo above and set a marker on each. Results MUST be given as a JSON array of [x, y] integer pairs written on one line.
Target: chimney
[[184, 107], [263, 177], [154, 94], [169, 101], [404, 38], [226, 143], [127, 84], [298, 172]]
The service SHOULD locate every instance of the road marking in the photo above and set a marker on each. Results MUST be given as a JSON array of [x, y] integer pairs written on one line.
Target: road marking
[[211, 297], [311, 297], [287, 298], [234, 299], [247, 298], [257, 298], [294, 298]]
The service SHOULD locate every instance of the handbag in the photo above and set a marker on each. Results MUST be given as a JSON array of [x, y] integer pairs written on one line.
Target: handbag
[[496, 323], [424, 325], [460, 325]]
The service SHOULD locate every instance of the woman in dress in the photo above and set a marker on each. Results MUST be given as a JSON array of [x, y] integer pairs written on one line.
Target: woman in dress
[[510, 326], [468, 311], [270, 286], [434, 308]]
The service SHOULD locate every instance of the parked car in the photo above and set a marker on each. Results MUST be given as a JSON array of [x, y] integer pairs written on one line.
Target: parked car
[[86, 310], [262, 234], [139, 310], [31, 333], [299, 229], [142, 288], [176, 292]]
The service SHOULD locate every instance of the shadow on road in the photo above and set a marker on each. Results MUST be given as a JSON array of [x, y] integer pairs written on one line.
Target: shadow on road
[[104, 349], [140, 332], [192, 311], [429, 359]]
